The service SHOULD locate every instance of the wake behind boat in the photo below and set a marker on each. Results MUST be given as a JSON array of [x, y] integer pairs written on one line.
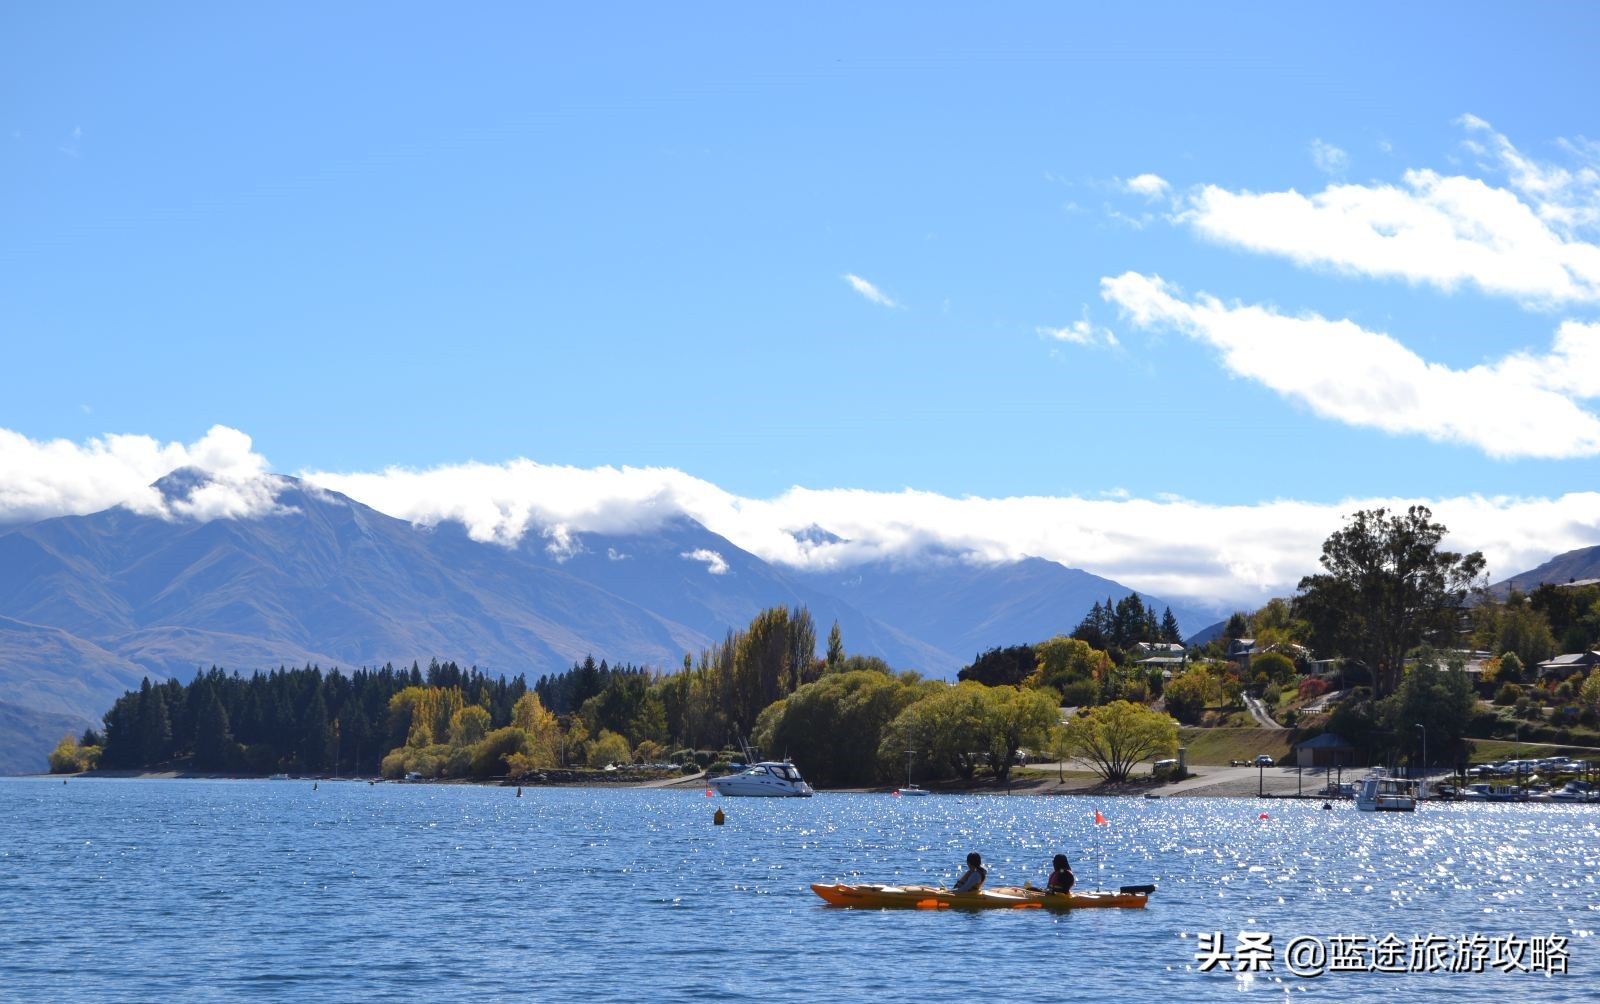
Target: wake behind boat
[[925, 897], [768, 779]]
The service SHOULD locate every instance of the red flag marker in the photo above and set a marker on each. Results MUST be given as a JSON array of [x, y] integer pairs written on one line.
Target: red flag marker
[[1099, 820]]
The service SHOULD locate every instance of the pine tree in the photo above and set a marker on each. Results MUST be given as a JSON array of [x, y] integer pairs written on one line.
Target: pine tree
[[1169, 628], [211, 739], [835, 646], [154, 728], [314, 732]]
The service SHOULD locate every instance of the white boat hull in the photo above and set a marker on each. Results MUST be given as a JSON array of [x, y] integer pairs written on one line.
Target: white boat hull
[[764, 780]]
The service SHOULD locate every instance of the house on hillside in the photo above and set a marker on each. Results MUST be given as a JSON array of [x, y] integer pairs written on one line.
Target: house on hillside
[[1242, 650], [1167, 656], [1158, 648], [1563, 666]]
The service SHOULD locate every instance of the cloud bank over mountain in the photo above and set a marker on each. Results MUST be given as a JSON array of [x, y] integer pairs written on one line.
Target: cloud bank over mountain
[[1170, 546]]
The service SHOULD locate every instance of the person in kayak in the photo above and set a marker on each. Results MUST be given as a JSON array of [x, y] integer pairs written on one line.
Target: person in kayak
[[975, 874], [1061, 878]]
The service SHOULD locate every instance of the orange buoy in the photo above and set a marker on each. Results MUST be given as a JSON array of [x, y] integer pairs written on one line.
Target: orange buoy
[[718, 818]]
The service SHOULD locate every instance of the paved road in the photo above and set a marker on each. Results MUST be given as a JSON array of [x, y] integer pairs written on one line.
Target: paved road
[[1258, 711]]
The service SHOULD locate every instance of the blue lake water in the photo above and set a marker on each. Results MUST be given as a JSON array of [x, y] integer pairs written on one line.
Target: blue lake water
[[114, 890]]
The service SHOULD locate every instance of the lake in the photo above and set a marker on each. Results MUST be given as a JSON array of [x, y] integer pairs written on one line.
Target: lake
[[192, 891]]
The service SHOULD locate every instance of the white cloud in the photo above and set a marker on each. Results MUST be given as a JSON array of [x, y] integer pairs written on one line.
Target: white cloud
[[1329, 158], [869, 291], [1566, 198], [1081, 332], [1170, 546], [1521, 406], [58, 477], [1522, 241], [714, 561], [1151, 186]]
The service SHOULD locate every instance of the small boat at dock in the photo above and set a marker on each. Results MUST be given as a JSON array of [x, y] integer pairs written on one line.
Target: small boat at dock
[[1378, 792]]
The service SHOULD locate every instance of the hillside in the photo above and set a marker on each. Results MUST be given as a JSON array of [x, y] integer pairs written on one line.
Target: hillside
[[89, 605], [1583, 563]]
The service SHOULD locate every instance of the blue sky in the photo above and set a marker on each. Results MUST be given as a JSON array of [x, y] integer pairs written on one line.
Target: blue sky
[[855, 263]]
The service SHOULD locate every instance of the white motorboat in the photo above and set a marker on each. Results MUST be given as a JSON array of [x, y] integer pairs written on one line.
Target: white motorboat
[[768, 779], [1575, 791], [1378, 792]]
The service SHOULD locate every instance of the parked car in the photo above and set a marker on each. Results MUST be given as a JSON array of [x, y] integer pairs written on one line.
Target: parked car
[[1263, 760]]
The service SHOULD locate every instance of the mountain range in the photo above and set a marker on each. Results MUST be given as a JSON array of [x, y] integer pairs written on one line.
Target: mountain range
[[1573, 566], [90, 605]]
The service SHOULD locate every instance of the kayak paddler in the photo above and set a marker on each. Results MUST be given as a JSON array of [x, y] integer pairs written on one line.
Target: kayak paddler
[[972, 879], [1061, 878]]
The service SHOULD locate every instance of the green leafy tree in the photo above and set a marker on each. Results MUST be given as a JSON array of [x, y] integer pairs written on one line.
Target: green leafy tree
[[468, 726], [1387, 587], [1185, 696], [835, 646], [1525, 632], [608, 748], [1440, 699], [1511, 669], [1015, 719], [70, 758], [1589, 693], [1063, 661], [1116, 737], [1278, 667], [492, 754], [945, 730], [834, 726]]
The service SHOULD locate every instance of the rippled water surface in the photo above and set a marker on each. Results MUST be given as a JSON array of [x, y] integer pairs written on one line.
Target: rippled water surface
[[255, 890]]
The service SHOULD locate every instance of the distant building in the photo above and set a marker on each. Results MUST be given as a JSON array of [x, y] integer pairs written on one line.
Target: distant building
[[1563, 666], [1326, 750], [1169, 665], [1158, 648]]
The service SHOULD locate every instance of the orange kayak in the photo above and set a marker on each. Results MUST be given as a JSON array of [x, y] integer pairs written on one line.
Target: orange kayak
[[927, 897]]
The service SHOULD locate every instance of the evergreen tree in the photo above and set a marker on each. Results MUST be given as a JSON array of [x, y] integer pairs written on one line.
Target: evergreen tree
[[314, 732], [835, 647], [154, 728], [212, 743], [1169, 628]]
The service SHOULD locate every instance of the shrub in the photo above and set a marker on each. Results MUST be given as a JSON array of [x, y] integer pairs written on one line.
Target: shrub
[[394, 765], [492, 755], [1509, 693], [1078, 694], [1314, 687]]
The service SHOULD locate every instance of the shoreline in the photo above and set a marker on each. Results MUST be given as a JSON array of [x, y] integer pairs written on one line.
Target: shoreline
[[1201, 783]]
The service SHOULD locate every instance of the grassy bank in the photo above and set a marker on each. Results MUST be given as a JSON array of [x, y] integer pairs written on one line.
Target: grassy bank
[[1218, 747]]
